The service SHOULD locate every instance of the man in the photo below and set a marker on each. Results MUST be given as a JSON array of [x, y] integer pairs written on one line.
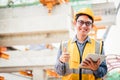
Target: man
[[70, 57]]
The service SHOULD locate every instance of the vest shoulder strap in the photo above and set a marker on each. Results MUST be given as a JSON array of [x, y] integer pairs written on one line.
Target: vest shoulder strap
[[98, 46]]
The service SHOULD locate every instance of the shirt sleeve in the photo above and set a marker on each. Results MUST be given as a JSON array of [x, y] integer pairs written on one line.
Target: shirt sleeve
[[59, 66], [101, 71]]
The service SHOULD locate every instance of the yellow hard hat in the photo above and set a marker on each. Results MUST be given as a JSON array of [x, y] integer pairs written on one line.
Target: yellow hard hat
[[86, 11]]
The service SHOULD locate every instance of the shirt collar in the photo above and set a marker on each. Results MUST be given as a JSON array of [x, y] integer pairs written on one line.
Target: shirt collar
[[86, 40]]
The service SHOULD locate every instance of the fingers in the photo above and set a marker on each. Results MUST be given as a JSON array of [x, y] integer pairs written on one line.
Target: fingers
[[65, 56], [98, 61], [89, 63], [65, 49], [86, 62]]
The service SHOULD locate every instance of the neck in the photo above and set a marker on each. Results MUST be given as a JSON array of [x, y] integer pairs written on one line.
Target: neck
[[81, 38]]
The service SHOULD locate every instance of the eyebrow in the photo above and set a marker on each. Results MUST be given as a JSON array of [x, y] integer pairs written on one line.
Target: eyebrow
[[84, 21]]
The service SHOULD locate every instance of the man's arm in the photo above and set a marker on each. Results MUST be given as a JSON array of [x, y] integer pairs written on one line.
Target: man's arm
[[102, 70], [59, 66]]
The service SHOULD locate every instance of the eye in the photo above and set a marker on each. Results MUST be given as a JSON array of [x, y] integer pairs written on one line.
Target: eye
[[88, 23], [80, 22]]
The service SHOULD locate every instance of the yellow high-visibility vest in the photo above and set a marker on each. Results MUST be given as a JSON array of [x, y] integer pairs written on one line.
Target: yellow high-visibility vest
[[75, 60]]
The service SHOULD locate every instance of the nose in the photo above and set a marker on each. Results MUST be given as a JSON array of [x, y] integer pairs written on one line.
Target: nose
[[84, 25]]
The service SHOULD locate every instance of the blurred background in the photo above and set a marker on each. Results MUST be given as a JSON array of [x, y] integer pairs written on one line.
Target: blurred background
[[31, 32]]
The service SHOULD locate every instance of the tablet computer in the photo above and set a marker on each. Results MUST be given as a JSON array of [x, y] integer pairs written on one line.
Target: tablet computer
[[95, 57]]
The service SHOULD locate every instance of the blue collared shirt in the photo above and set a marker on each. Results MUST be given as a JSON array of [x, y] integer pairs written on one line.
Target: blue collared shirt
[[81, 45], [60, 67]]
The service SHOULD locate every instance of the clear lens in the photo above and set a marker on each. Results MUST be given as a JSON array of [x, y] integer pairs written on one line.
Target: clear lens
[[87, 23]]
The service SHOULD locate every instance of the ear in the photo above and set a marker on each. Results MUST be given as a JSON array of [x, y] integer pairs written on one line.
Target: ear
[[74, 22], [94, 27]]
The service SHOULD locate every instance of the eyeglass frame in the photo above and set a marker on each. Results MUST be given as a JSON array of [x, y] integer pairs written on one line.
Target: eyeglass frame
[[87, 23]]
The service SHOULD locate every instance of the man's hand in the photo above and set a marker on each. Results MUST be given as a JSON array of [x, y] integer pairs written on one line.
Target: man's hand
[[65, 56], [90, 64]]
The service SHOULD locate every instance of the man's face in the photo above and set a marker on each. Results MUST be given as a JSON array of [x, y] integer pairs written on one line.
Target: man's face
[[83, 25]]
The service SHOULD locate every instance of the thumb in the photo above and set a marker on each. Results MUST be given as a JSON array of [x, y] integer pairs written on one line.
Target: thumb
[[98, 62], [65, 49]]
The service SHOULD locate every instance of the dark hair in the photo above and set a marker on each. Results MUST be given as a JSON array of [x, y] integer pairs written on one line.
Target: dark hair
[[77, 15]]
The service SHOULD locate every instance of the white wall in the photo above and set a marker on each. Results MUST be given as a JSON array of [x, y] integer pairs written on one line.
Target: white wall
[[112, 42]]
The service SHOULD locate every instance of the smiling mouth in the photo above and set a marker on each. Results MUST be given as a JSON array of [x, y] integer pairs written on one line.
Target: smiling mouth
[[83, 29]]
